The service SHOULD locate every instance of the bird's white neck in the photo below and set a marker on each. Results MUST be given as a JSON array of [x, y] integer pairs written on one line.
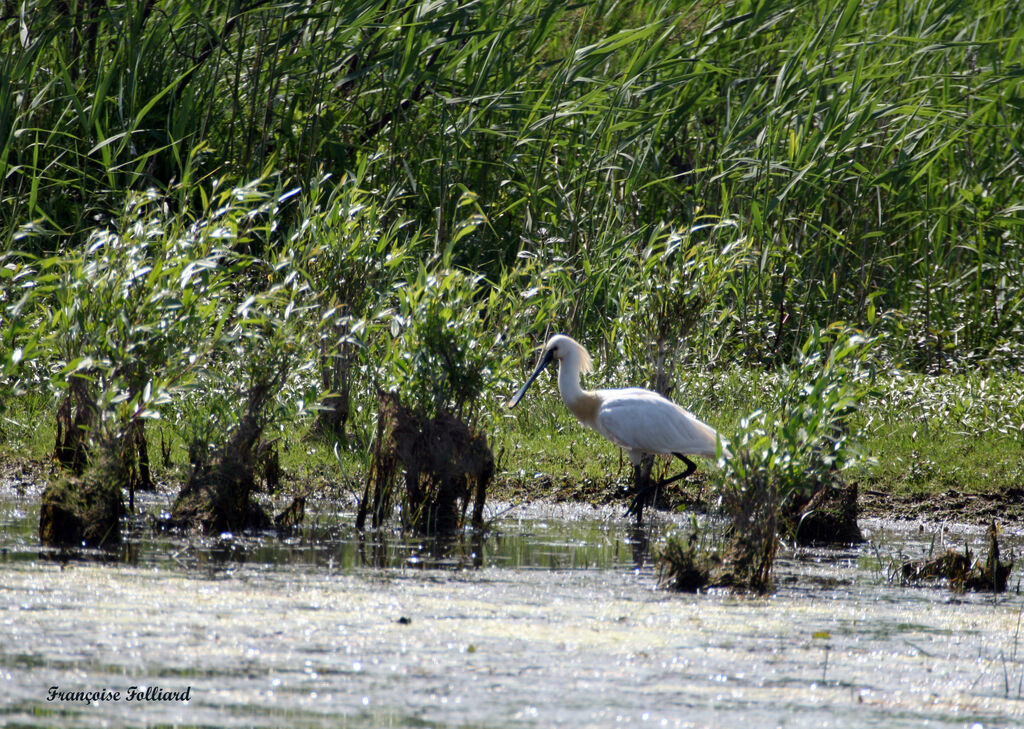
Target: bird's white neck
[[581, 403], [569, 381]]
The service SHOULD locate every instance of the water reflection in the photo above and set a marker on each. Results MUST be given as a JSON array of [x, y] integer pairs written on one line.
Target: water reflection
[[550, 619], [328, 540], [640, 539]]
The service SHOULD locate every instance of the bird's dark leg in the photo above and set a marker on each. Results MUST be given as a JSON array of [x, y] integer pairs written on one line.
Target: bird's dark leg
[[642, 489], [690, 468], [642, 485]]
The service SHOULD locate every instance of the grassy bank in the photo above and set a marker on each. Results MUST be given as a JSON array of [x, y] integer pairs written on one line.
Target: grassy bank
[[921, 436], [218, 219]]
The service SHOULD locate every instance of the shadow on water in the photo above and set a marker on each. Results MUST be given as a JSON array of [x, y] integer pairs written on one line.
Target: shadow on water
[[329, 541]]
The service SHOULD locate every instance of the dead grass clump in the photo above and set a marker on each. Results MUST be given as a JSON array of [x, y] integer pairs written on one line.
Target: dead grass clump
[[86, 509], [961, 570], [445, 465]]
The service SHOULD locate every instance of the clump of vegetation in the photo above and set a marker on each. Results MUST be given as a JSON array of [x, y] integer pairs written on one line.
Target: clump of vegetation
[[786, 467], [443, 351], [684, 565], [828, 516], [961, 569], [445, 467], [76, 417], [751, 507], [86, 510], [123, 328], [218, 495], [741, 558]]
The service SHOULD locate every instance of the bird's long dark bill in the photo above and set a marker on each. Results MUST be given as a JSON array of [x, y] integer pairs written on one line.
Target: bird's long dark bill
[[544, 362]]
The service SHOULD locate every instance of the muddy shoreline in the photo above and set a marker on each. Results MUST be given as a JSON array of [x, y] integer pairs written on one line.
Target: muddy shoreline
[[28, 479], [950, 505]]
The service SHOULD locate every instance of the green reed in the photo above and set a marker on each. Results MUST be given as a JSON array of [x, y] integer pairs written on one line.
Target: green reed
[[679, 184]]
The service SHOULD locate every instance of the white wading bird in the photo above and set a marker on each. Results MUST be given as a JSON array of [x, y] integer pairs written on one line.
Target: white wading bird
[[640, 421]]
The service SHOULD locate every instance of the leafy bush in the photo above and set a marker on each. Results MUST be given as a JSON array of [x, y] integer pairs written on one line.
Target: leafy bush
[[355, 250], [130, 318], [807, 440], [445, 345], [783, 457]]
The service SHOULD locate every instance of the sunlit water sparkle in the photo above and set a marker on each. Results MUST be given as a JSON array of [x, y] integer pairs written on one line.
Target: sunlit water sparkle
[[559, 625]]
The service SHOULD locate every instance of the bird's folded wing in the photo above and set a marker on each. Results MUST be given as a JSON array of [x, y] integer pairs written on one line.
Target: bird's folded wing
[[642, 420]]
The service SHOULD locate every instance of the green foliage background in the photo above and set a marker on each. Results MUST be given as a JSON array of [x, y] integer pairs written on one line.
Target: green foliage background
[[193, 193]]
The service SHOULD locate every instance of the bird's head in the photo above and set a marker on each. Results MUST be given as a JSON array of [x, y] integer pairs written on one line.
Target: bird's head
[[565, 348], [567, 351]]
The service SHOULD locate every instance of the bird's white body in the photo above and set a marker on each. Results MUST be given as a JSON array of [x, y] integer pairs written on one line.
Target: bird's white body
[[642, 421], [637, 420]]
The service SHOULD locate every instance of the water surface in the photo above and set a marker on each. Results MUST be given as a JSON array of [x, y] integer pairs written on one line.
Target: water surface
[[553, 620]]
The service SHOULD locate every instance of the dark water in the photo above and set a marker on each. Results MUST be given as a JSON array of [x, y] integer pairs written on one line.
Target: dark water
[[552, 620]]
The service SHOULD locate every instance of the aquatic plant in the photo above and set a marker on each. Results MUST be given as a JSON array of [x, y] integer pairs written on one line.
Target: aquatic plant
[[433, 373], [781, 460], [804, 442]]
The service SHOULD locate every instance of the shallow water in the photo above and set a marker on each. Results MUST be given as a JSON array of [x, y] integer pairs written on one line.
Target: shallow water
[[552, 621]]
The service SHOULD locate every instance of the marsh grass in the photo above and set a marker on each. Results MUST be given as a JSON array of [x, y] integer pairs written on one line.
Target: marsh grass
[[189, 192]]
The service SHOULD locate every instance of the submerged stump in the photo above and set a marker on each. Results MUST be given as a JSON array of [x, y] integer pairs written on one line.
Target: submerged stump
[[87, 509], [828, 517], [445, 466]]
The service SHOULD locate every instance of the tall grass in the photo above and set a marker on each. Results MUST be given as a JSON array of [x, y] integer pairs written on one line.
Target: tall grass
[[676, 182]]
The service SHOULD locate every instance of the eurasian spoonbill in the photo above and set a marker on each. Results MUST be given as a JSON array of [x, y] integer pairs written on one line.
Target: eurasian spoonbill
[[637, 420]]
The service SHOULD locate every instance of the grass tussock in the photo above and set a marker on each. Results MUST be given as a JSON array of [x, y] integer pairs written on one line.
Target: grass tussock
[[961, 570]]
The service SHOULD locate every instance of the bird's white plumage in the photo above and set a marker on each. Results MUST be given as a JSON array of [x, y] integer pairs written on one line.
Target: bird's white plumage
[[642, 421]]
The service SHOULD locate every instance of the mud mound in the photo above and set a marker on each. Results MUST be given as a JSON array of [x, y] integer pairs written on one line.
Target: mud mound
[[445, 465], [85, 509]]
